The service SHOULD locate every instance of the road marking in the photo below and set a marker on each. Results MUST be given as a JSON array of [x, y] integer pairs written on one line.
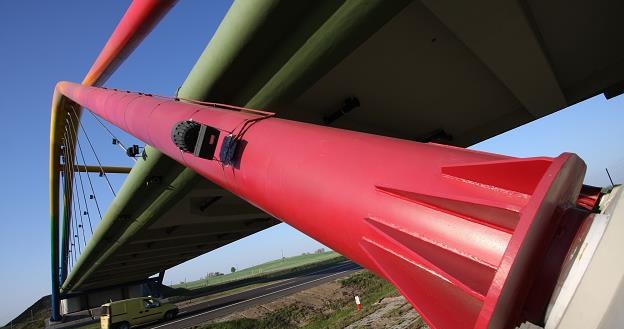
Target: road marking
[[248, 300], [339, 265]]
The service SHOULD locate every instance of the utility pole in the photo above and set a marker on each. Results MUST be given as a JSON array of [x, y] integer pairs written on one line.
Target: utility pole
[[607, 170]]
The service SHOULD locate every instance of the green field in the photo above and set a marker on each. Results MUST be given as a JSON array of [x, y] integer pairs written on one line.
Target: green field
[[280, 265]]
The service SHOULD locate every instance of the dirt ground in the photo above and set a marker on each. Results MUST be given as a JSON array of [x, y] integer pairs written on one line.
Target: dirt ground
[[317, 298], [394, 312]]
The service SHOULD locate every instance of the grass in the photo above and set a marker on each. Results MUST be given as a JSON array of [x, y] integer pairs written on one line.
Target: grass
[[236, 324], [282, 318], [222, 293], [369, 287], [336, 314], [33, 317], [272, 272], [279, 265], [291, 265]]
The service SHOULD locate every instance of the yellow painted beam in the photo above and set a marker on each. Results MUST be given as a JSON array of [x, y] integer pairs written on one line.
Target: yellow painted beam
[[105, 169]]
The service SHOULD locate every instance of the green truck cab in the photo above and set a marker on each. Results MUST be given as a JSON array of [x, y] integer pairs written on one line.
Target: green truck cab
[[126, 313]]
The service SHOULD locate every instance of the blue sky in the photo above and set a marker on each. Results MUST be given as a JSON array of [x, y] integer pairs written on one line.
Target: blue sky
[[44, 42]]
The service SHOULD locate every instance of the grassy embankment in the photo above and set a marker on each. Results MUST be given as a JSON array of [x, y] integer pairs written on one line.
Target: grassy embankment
[[33, 317], [249, 278], [336, 314], [281, 266]]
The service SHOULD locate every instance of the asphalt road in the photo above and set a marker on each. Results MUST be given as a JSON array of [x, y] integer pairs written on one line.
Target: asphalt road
[[216, 308]]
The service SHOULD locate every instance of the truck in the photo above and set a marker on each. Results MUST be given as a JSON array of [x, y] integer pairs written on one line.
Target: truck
[[124, 314]]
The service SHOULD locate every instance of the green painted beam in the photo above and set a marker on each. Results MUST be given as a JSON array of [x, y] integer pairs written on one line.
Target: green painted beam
[[352, 24], [303, 27], [245, 36]]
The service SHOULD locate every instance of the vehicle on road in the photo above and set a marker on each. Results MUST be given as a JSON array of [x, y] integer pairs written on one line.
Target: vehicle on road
[[124, 314]]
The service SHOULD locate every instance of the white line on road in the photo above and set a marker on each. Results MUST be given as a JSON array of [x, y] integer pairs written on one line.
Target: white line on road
[[339, 265], [248, 300]]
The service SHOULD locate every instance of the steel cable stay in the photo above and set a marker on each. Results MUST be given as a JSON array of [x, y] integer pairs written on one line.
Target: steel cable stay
[[74, 164], [67, 257], [97, 205], [66, 209], [74, 128], [72, 235], [70, 261], [116, 140], [102, 173], [75, 194], [81, 225], [69, 161], [84, 197], [76, 236], [71, 164], [93, 194]]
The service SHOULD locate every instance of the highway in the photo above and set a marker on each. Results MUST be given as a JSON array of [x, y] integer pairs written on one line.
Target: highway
[[219, 307]]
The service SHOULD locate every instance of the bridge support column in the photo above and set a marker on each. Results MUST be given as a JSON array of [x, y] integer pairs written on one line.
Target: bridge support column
[[54, 268], [158, 284], [72, 303]]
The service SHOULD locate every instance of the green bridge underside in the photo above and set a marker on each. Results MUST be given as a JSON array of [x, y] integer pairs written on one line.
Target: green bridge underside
[[418, 68]]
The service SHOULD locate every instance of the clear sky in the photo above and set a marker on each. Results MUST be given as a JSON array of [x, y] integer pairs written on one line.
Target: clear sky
[[42, 42]]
